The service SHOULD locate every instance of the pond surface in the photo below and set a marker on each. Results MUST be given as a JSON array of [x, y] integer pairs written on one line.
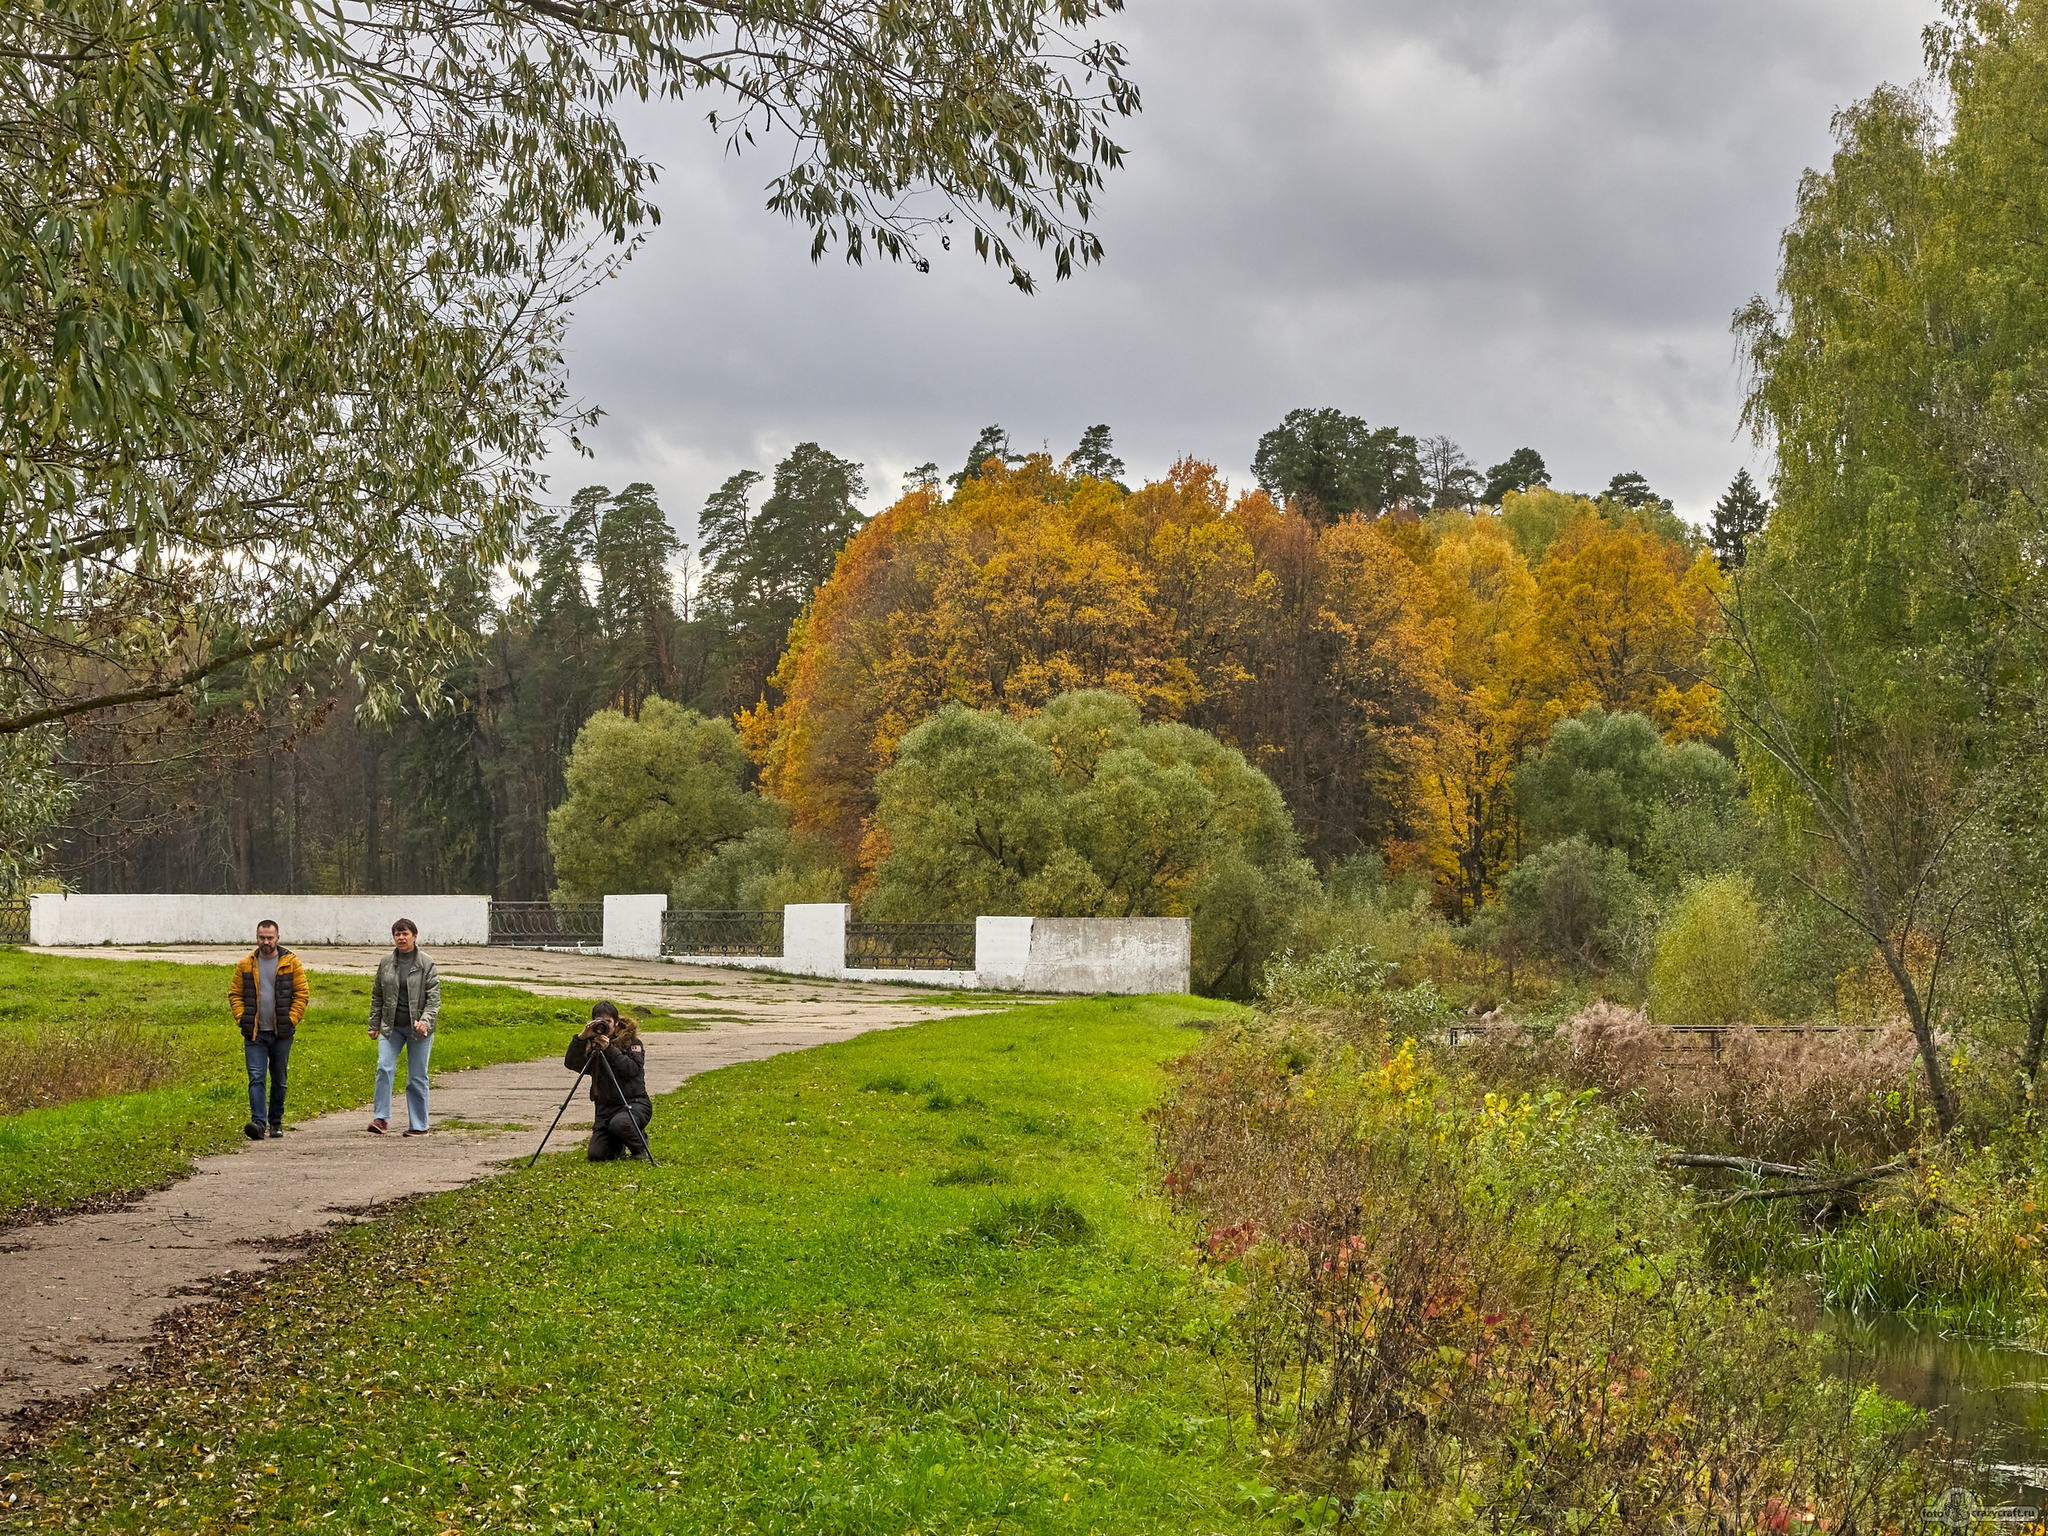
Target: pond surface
[[1989, 1401]]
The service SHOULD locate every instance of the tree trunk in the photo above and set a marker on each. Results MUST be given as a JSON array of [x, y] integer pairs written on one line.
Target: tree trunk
[[373, 821], [1923, 1035], [2037, 1028]]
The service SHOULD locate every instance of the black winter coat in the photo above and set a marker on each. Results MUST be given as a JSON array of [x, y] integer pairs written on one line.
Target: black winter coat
[[629, 1066]]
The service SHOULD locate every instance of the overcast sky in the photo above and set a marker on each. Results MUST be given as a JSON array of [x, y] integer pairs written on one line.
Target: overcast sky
[[1512, 221]]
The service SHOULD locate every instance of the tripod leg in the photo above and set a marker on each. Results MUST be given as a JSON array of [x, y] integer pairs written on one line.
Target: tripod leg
[[638, 1129], [562, 1111]]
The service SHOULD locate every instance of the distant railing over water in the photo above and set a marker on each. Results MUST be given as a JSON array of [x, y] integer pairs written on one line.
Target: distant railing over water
[[1673, 1039], [733, 934], [548, 924], [14, 921], [910, 946]]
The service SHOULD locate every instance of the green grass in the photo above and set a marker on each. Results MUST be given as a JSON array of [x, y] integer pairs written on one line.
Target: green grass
[[797, 1323], [94, 1149]]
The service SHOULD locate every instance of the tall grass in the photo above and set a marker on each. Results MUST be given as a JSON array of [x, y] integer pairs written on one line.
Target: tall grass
[[45, 1065], [1962, 1244]]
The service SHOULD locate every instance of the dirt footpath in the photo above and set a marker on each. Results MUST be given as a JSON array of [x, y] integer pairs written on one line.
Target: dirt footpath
[[87, 1293]]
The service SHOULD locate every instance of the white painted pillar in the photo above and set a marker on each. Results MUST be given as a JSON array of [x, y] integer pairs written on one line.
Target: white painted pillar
[[632, 926], [814, 938], [1002, 950]]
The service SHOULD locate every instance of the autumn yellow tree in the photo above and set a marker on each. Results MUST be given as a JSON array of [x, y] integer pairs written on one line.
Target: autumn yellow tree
[[1493, 710], [1210, 590], [1625, 618]]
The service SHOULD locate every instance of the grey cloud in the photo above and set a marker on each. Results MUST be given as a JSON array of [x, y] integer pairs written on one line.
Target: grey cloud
[[1515, 221]]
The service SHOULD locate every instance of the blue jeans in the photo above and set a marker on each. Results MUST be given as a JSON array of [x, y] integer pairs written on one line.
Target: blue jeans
[[267, 1055], [417, 1049]]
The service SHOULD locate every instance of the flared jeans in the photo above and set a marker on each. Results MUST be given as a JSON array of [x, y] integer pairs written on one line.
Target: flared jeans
[[417, 1049]]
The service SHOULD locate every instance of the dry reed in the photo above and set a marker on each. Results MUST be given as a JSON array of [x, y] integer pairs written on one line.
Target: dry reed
[[1845, 1095]]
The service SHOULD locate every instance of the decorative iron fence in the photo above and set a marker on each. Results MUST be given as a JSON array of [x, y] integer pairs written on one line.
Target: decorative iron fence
[[547, 924], [910, 946], [707, 932], [14, 921]]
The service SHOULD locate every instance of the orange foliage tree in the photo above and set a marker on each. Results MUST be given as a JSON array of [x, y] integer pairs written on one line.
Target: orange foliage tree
[[1387, 679]]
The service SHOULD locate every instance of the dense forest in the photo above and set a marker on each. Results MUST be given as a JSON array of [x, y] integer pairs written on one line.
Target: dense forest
[[1373, 634]]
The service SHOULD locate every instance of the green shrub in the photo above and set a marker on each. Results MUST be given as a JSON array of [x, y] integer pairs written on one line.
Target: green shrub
[[1711, 953], [1426, 1280], [765, 870], [1574, 902], [649, 798], [1086, 811]]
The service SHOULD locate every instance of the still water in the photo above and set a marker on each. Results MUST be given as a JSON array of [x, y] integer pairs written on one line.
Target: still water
[[1989, 1402]]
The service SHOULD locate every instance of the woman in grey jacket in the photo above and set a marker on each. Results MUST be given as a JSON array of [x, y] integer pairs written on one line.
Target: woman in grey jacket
[[405, 1002]]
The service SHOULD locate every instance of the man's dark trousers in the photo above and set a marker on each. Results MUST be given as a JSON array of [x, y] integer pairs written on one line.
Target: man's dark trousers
[[267, 1053]]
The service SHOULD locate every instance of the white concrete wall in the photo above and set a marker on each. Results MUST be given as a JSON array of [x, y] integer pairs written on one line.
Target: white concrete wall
[[67, 920], [632, 926], [966, 981], [1106, 954], [814, 938], [1002, 950], [1128, 955]]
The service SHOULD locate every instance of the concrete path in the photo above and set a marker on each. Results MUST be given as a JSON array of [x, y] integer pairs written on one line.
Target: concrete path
[[86, 1294]]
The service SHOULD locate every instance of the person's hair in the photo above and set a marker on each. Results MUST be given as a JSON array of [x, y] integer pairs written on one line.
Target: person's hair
[[625, 1031], [408, 925], [603, 1009], [268, 922]]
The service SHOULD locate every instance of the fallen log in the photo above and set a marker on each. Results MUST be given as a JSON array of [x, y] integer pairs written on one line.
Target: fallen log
[[1740, 1164], [1819, 1186]]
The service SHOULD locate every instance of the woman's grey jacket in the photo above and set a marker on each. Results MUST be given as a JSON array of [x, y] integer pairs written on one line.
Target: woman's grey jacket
[[422, 995]]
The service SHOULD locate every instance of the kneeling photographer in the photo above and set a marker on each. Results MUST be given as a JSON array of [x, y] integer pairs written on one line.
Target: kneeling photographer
[[620, 1095]]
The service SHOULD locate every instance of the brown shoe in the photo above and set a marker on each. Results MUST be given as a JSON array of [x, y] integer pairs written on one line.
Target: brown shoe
[[411, 1132], [379, 1127]]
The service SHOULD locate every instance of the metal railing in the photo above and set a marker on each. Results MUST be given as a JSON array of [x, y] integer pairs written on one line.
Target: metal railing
[[1673, 1039], [910, 946], [730, 933], [14, 921], [548, 924]]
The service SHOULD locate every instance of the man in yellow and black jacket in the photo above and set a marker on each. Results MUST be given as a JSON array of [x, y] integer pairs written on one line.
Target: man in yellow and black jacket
[[268, 997]]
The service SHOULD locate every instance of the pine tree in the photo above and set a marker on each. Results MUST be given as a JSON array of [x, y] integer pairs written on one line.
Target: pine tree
[[994, 443], [1739, 517], [1522, 470], [1096, 457], [636, 594], [762, 564], [1633, 491], [805, 522], [725, 541]]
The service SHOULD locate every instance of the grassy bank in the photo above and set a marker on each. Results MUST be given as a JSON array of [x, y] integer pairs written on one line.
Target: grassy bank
[[67, 1024], [911, 1283]]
